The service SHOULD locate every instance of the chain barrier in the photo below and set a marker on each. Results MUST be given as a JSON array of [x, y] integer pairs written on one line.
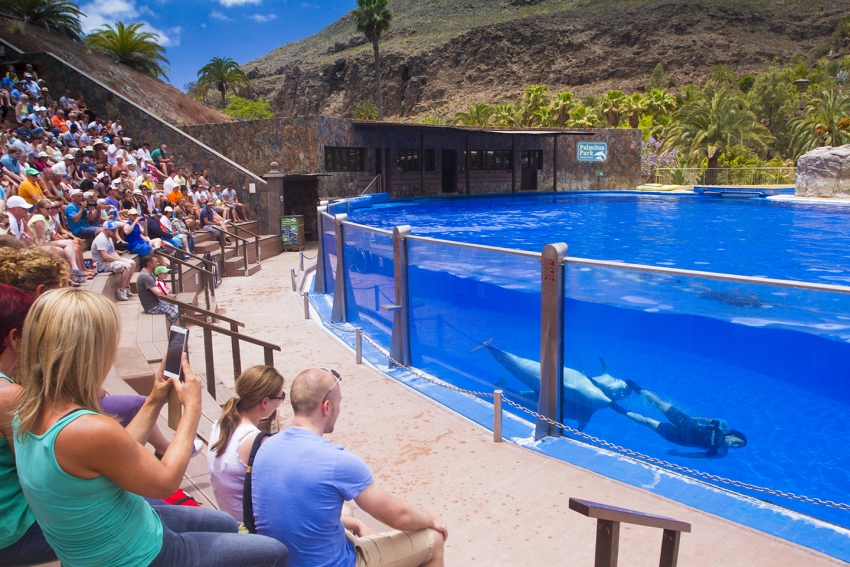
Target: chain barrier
[[306, 257], [595, 440]]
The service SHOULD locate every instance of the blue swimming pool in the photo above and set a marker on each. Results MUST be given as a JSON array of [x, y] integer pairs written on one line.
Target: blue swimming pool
[[771, 360]]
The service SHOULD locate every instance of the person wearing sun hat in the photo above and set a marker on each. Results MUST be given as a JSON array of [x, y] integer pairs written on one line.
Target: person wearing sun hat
[[29, 188]]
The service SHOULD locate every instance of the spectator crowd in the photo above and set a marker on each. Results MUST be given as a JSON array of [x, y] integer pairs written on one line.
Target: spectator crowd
[[70, 179]]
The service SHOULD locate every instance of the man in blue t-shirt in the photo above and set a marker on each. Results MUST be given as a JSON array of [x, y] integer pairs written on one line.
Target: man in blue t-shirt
[[80, 216], [300, 481]]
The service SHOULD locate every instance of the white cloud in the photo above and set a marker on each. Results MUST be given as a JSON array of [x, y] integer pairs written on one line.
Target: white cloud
[[219, 16], [262, 18], [101, 12], [229, 3]]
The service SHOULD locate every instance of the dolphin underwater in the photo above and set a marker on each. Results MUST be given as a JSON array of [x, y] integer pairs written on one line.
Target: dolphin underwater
[[582, 398], [614, 388]]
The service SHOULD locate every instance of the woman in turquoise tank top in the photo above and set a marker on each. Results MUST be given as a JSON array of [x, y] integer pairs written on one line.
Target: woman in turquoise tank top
[[84, 476]]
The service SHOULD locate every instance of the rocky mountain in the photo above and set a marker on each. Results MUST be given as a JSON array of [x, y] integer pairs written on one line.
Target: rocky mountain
[[441, 55]]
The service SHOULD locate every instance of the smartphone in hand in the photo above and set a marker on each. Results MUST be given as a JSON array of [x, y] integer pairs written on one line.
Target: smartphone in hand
[[177, 340]]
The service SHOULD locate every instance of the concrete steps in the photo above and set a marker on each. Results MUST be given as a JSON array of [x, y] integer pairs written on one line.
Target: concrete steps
[[236, 267]]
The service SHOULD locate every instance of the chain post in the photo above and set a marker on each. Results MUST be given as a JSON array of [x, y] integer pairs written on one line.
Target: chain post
[[497, 416], [306, 306], [294, 284], [551, 338], [358, 345]]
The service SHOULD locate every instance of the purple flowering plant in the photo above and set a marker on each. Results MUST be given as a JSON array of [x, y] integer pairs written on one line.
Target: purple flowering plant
[[651, 156]]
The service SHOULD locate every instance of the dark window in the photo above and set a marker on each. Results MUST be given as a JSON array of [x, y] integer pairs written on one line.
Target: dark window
[[488, 159], [344, 159], [408, 160], [532, 159]]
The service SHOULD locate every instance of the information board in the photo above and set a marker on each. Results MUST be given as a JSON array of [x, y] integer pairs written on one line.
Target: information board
[[592, 151], [289, 230]]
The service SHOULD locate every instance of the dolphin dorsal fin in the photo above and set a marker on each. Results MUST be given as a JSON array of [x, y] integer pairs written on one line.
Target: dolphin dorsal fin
[[604, 370]]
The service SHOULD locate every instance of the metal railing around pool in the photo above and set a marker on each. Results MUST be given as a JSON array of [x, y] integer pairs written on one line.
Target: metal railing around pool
[[381, 258], [726, 176]]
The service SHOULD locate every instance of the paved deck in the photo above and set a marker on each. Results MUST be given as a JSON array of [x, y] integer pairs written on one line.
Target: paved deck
[[504, 505]]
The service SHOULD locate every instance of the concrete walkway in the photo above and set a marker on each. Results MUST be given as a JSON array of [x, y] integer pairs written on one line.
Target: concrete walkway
[[504, 505]]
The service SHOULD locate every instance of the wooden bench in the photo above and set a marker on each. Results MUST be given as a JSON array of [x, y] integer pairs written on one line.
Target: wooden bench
[[608, 519], [152, 336]]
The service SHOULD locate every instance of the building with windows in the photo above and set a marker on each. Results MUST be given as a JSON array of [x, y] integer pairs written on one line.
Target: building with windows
[[323, 157]]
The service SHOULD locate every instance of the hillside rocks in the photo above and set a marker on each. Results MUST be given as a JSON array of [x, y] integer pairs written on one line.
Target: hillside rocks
[[824, 172], [442, 55]]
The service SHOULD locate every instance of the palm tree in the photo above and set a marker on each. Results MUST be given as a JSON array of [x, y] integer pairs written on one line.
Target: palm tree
[[709, 126], [372, 19], [534, 99], [826, 123], [658, 102], [633, 107], [126, 44], [504, 115], [475, 115], [62, 16], [222, 73], [561, 106], [722, 75], [583, 117], [612, 107]]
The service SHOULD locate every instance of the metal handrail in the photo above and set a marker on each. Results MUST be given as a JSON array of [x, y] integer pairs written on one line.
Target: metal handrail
[[710, 275], [725, 175], [235, 336], [207, 275], [524, 253], [366, 190]]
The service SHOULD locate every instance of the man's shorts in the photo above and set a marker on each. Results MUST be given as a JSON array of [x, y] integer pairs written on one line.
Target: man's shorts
[[116, 267], [86, 232], [393, 549]]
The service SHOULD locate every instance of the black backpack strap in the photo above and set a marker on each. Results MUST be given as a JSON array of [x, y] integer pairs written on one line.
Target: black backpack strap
[[247, 504]]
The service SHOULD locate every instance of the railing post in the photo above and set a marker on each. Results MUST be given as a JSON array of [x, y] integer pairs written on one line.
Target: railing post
[[292, 275], [320, 280], [237, 354], [339, 313], [306, 306], [551, 338], [497, 416], [268, 355], [400, 342], [358, 345], [207, 283], [301, 263], [210, 365], [171, 264], [257, 247], [245, 255]]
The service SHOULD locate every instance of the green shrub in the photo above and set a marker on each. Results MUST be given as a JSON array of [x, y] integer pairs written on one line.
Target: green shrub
[[245, 109], [366, 110], [746, 83]]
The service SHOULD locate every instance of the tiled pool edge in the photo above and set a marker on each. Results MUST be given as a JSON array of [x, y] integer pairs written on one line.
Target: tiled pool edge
[[771, 519]]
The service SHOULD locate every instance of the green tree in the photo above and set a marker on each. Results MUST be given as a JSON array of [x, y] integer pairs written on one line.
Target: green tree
[[561, 106], [366, 110], [62, 16], [722, 75], [773, 99], [633, 107], [126, 44], [504, 115], [222, 73], [658, 102], [826, 123], [658, 79], [584, 117], [475, 115], [708, 127], [532, 109], [245, 109], [612, 107], [745, 83], [372, 19]]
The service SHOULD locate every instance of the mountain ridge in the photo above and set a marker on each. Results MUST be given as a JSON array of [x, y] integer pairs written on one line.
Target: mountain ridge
[[441, 55]]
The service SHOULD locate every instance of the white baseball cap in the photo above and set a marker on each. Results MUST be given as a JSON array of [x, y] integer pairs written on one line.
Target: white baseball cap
[[76, 192], [17, 201]]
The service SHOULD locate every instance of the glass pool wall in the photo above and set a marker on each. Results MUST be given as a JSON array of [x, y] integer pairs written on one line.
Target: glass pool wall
[[770, 359]]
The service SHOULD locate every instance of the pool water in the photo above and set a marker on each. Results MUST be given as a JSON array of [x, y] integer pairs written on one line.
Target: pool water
[[772, 361]]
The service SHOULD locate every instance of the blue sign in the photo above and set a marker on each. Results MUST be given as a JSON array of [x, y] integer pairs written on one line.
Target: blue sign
[[592, 151]]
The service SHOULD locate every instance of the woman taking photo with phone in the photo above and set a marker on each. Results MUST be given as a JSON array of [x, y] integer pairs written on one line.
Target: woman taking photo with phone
[[84, 476]]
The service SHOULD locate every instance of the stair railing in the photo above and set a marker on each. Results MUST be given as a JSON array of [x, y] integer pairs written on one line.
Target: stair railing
[[256, 237], [207, 276], [371, 183], [244, 241]]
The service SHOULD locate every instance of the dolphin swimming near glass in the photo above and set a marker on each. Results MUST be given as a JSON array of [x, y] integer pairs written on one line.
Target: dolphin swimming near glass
[[583, 396]]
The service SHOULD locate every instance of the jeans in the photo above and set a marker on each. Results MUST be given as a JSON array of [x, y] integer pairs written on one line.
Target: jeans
[[197, 537], [31, 548]]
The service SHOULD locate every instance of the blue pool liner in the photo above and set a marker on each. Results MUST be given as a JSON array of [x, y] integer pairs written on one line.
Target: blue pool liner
[[797, 528]]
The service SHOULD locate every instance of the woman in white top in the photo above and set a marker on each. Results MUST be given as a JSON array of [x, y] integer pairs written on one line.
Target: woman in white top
[[259, 392], [41, 224]]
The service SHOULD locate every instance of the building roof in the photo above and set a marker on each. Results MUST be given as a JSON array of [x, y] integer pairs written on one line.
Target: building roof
[[375, 125]]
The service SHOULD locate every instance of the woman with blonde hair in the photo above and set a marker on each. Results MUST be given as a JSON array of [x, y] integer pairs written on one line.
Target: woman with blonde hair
[[84, 476], [259, 392]]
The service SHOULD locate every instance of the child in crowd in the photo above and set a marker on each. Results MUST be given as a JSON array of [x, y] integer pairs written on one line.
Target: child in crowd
[[161, 274]]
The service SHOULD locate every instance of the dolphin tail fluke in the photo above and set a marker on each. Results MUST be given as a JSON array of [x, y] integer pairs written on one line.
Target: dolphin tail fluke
[[486, 343], [604, 370]]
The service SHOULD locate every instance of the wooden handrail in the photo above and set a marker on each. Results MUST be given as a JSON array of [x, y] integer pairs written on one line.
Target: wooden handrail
[[184, 262], [197, 257], [235, 236], [230, 333], [237, 227], [608, 520], [366, 190], [204, 312]]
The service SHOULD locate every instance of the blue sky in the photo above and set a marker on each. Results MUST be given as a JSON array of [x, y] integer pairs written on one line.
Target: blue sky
[[194, 31]]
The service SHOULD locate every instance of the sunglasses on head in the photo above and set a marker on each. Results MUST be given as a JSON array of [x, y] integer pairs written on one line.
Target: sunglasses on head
[[336, 376]]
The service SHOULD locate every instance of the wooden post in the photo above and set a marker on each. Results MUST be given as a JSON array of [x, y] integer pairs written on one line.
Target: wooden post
[[268, 356], [237, 355], [607, 543], [670, 548], [210, 365]]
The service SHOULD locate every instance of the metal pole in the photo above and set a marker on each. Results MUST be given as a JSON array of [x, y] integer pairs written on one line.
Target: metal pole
[[358, 346], [306, 307], [400, 341], [551, 338], [497, 416], [292, 274], [339, 313], [320, 282], [301, 264]]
